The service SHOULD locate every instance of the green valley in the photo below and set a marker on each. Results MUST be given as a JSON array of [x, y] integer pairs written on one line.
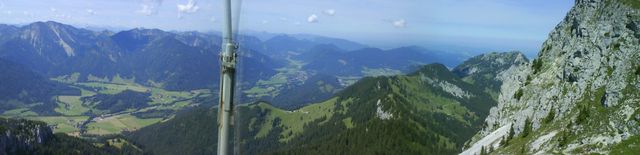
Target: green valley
[[86, 114], [401, 114]]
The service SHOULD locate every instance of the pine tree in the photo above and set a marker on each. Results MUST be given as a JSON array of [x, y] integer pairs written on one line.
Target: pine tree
[[511, 133], [550, 116], [504, 141], [527, 128]]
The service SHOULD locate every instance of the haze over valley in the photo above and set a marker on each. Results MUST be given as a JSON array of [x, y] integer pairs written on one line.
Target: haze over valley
[[468, 89]]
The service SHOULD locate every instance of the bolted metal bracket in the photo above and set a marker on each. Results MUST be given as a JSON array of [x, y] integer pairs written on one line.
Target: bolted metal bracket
[[229, 61]]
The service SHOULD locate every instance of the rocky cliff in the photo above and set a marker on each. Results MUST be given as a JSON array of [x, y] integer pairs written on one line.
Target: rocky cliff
[[581, 94], [20, 136]]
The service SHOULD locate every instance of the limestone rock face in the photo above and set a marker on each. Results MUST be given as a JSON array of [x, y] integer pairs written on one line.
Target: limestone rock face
[[20, 135], [587, 73]]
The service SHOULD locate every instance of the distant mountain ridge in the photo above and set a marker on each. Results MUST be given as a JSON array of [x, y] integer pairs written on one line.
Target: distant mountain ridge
[[55, 49], [328, 59]]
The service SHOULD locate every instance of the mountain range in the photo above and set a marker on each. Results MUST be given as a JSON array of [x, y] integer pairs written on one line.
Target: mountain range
[[96, 84], [400, 114], [183, 61], [579, 96]]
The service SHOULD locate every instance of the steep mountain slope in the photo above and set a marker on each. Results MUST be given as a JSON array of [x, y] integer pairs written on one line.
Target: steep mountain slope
[[193, 131], [581, 94], [44, 46], [174, 65], [431, 111], [483, 70], [7, 30], [22, 88]]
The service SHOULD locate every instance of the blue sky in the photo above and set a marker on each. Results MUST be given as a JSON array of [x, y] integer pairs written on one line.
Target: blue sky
[[499, 25]]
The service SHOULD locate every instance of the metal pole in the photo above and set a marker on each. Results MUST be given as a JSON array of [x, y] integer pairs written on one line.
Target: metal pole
[[228, 59]]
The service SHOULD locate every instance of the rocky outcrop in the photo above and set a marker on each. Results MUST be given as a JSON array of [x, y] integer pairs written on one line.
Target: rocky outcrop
[[484, 70], [585, 77], [22, 135]]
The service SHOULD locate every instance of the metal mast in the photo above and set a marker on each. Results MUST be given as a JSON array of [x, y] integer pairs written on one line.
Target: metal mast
[[227, 82]]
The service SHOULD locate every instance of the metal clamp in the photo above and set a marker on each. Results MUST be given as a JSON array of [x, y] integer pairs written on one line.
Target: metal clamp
[[228, 60]]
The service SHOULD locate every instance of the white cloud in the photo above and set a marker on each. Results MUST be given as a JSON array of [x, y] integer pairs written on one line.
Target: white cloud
[[400, 23], [190, 7], [91, 12], [297, 23], [329, 12], [149, 7], [312, 19], [265, 22], [53, 9], [283, 19]]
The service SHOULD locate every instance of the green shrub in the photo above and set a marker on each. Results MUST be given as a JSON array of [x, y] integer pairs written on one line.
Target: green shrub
[[527, 128], [632, 3], [583, 115], [616, 46], [518, 94], [563, 139], [511, 133], [550, 116], [506, 139], [537, 64]]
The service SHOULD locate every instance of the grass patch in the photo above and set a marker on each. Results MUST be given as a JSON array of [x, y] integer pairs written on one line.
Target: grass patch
[[20, 112], [430, 100], [550, 116], [632, 3], [348, 123], [70, 105], [62, 124], [161, 96], [67, 78], [631, 146], [374, 72], [111, 88], [293, 121], [119, 123], [468, 80], [518, 94]]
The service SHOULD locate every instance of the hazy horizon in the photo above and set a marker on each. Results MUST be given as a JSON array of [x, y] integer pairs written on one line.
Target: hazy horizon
[[466, 25]]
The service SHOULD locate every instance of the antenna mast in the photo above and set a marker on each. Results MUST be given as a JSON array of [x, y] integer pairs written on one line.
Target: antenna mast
[[227, 81]]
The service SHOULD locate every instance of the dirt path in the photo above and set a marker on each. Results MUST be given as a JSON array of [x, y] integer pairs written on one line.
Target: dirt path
[[491, 139]]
